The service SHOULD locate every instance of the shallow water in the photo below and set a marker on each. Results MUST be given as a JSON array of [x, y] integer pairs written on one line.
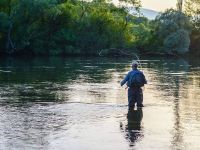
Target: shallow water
[[77, 103]]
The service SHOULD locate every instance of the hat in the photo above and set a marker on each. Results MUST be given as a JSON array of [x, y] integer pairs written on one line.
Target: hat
[[134, 63]]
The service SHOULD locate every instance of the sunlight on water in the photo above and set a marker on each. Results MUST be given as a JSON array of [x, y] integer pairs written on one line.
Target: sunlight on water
[[57, 103]]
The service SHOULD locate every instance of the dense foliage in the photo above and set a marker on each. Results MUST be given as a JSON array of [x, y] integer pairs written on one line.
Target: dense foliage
[[172, 28], [73, 27], [193, 10], [54, 27]]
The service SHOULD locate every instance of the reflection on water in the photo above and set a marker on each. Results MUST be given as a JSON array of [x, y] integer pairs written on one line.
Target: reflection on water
[[133, 131], [77, 103]]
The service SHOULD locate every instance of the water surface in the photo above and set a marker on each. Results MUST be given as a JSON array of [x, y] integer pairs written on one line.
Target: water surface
[[77, 103]]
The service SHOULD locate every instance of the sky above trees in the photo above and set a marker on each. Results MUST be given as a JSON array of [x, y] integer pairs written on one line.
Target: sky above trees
[[157, 5]]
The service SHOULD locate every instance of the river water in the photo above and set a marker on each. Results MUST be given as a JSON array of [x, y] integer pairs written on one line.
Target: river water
[[77, 103]]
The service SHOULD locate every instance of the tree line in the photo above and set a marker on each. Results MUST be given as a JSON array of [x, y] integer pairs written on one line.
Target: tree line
[[75, 27]]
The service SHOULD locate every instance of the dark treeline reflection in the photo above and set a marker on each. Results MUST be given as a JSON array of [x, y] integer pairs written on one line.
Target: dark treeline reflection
[[54, 69], [169, 75], [41, 79]]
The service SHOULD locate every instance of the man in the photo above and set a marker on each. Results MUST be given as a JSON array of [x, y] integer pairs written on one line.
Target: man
[[135, 79]]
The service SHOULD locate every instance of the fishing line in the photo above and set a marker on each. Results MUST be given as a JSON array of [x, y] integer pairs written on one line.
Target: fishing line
[[123, 52], [138, 60]]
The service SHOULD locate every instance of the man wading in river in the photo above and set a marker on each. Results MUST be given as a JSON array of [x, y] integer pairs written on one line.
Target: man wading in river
[[135, 79]]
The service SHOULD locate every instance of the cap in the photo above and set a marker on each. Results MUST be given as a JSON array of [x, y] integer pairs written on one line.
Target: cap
[[134, 63]]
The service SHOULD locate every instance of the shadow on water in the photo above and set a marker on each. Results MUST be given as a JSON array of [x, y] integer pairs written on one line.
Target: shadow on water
[[133, 130]]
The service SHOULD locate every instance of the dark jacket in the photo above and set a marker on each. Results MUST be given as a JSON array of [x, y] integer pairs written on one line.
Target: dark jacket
[[130, 74]]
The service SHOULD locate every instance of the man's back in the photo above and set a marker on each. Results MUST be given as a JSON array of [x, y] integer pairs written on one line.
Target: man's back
[[134, 76], [136, 79]]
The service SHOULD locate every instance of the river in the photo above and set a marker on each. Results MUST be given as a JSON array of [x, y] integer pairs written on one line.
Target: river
[[77, 103]]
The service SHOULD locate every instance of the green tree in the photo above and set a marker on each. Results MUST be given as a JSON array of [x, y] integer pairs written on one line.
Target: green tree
[[179, 5], [174, 25], [141, 33], [192, 8], [63, 27], [7, 7]]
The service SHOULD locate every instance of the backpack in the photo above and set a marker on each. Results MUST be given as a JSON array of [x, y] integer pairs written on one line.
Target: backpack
[[136, 80]]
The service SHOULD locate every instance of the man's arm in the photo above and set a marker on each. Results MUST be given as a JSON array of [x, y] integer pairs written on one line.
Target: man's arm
[[125, 79]]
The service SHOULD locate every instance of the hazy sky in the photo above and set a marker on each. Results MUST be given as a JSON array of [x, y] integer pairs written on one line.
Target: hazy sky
[[158, 5]]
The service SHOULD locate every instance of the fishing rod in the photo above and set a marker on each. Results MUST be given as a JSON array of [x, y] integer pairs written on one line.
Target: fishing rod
[[138, 60]]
